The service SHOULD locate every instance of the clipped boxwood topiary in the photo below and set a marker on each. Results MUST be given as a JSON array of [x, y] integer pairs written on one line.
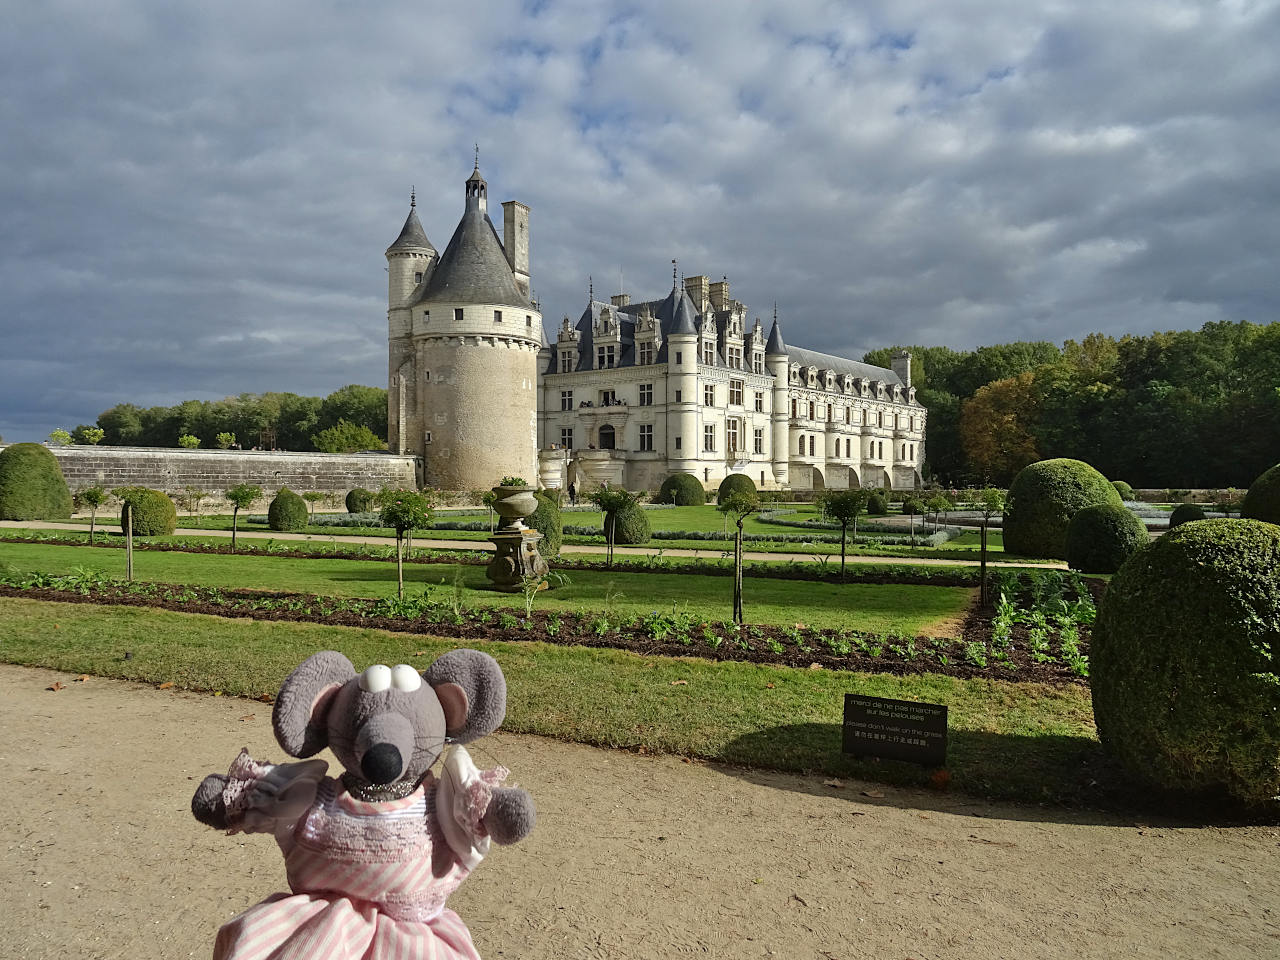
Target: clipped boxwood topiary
[[877, 505], [913, 506], [1122, 488], [1043, 499], [31, 484], [288, 511], [734, 483], [682, 489], [360, 500], [1101, 537], [1262, 502], [154, 514], [548, 521], [631, 525], [1185, 513], [1186, 686]]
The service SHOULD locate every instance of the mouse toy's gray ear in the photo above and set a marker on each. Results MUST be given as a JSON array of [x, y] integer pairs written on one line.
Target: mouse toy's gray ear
[[478, 707], [300, 716]]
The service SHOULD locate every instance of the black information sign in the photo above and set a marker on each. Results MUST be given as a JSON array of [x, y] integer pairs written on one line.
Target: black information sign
[[895, 729]]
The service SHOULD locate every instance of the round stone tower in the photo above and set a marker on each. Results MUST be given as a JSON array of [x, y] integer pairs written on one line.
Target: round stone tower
[[463, 353]]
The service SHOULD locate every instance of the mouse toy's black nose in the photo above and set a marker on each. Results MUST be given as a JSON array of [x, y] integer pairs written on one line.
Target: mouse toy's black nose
[[381, 764]]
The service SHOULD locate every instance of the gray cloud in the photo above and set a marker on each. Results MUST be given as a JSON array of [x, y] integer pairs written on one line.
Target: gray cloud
[[194, 202]]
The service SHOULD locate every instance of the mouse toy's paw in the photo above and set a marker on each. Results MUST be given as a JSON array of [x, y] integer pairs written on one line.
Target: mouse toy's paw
[[207, 804], [510, 816]]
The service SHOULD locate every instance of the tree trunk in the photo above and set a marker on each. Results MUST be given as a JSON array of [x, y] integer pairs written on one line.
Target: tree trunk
[[913, 531], [612, 520], [408, 545], [235, 516], [399, 565], [982, 574], [843, 530], [93, 518], [128, 541], [737, 576]]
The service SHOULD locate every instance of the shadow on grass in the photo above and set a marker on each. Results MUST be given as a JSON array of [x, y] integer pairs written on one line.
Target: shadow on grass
[[1056, 779]]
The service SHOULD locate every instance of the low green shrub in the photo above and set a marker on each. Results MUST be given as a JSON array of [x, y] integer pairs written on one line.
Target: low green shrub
[[360, 500], [1042, 500], [1262, 502], [683, 490], [1186, 685], [154, 514], [913, 506], [1122, 488], [877, 505], [31, 484], [1101, 537], [288, 511], [735, 483], [549, 522], [630, 525], [1185, 513]]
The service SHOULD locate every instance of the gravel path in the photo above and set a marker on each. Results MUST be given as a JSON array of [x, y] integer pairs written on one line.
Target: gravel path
[[633, 856]]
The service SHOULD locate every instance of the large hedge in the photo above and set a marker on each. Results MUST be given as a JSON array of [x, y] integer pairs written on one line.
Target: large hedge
[[360, 500], [1042, 500], [1262, 502], [877, 504], [1186, 685], [287, 512], [1185, 513], [734, 483], [1101, 537], [154, 514], [31, 484], [682, 489], [1122, 488], [548, 521], [630, 525]]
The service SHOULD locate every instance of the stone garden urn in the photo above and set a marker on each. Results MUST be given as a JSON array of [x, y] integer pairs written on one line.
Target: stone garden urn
[[515, 557]]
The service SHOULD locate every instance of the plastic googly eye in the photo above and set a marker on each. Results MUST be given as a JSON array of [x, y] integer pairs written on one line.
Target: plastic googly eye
[[376, 679], [404, 677]]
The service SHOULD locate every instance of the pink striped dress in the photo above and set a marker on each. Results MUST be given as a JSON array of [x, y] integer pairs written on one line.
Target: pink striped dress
[[361, 874]]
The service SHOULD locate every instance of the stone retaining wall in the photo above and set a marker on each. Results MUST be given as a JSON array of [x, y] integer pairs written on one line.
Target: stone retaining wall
[[172, 469]]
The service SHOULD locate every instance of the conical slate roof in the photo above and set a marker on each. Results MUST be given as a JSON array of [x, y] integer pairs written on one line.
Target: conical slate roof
[[677, 314], [775, 347], [412, 237], [474, 268]]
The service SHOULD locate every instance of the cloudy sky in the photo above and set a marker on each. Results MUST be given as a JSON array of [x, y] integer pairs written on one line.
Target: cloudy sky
[[195, 198]]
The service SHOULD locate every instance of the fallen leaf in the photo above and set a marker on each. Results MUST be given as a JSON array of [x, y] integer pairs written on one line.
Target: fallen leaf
[[799, 899], [420, 653], [768, 686], [815, 666], [56, 686], [873, 794], [679, 683], [246, 717], [757, 880], [166, 685], [833, 782], [81, 679], [940, 780]]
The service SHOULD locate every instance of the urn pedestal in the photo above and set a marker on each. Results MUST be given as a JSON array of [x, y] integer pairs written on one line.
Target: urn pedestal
[[515, 557]]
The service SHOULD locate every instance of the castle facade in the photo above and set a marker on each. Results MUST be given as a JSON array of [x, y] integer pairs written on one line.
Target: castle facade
[[629, 393]]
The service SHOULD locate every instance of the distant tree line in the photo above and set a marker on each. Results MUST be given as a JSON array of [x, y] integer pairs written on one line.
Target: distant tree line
[[349, 419], [1170, 410]]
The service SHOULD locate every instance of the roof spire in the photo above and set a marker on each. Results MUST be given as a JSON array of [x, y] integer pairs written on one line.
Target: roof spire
[[673, 273], [413, 197], [591, 290], [477, 156]]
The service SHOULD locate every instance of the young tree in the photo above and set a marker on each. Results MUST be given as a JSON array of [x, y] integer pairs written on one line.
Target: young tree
[[241, 496], [60, 438], [225, 440], [404, 510], [346, 437], [313, 497], [128, 497], [93, 498], [989, 502], [188, 441], [489, 498], [612, 501], [938, 505], [90, 436], [843, 506], [738, 505]]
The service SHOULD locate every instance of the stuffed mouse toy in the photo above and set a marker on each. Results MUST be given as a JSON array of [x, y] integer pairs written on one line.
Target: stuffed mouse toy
[[372, 855]]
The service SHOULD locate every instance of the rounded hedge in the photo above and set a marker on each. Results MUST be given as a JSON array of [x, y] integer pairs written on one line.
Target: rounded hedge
[[630, 525], [1122, 488], [154, 514], [1262, 502], [31, 484], [734, 483], [1042, 500], [1101, 537], [913, 506], [1185, 513], [288, 511], [547, 520], [360, 500], [1186, 688], [682, 489], [877, 505]]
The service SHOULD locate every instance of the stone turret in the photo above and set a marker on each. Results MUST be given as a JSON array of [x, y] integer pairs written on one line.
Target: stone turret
[[776, 361]]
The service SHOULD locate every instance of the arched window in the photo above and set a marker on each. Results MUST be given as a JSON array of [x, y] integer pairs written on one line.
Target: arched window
[[802, 445], [607, 440], [811, 446], [847, 448]]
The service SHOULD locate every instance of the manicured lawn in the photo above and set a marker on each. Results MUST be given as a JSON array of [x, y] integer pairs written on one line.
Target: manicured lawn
[[897, 608], [1015, 741]]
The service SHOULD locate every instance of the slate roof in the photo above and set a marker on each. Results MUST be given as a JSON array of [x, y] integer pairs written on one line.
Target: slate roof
[[412, 236], [474, 268], [775, 346], [825, 361]]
